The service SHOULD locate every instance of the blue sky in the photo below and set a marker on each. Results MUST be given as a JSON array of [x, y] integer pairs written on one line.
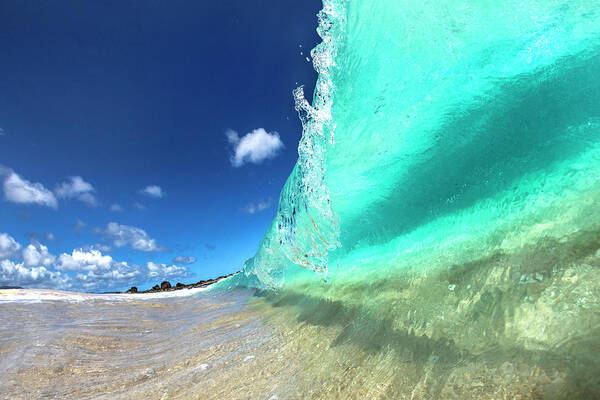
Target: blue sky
[[142, 141]]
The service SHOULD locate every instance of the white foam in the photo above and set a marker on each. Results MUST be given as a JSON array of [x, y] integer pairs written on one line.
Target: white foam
[[41, 295]]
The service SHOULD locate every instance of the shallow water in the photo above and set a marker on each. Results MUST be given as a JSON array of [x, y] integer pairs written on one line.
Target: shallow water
[[126, 348], [522, 325]]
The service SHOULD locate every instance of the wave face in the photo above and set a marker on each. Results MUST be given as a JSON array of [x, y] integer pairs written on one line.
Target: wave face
[[441, 229], [443, 129]]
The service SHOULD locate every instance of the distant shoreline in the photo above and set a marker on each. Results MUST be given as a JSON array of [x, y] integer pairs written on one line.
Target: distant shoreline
[[13, 294], [166, 286]]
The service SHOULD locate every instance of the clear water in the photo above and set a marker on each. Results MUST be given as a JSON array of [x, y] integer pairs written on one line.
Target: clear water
[[439, 237], [439, 127]]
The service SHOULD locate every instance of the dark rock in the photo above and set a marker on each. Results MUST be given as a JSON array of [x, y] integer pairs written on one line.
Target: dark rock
[[166, 286], [11, 287]]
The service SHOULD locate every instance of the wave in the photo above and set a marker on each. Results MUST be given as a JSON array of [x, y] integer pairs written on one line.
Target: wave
[[443, 218], [434, 126]]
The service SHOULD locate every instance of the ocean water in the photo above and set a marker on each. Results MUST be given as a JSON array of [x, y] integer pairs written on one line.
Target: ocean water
[[438, 238]]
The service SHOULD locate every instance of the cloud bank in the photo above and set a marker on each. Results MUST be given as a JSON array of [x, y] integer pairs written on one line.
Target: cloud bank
[[83, 268]]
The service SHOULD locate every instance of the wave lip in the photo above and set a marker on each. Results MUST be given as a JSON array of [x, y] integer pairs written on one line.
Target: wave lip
[[306, 227]]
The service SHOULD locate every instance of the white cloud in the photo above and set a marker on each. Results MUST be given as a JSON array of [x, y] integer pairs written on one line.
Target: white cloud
[[259, 206], [153, 191], [100, 272], [254, 147], [36, 254], [184, 260], [82, 260], [93, 270], [9, 247], [164, 271], [101, 247], [13, 273], [140, 206], [137, 238], [78, 189], [114, 278], [122, 275], [2, 133], [96, 271], [32, 270], [116, 208], [21, 191]]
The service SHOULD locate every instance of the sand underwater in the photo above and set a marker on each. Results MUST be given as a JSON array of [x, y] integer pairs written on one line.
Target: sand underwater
[[438, 238]]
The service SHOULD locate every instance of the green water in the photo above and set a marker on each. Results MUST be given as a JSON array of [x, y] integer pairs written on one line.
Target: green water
[[445, 128], [446, 201]]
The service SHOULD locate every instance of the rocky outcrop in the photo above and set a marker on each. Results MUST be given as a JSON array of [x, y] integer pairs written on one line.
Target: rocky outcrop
[[165, 286]]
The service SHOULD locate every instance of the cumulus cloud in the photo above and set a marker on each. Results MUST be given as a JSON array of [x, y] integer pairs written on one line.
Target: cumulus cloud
[[116, 208], [258, 206], [82, 260], [21, 191], [33, 270], [254, 147], [105, 280], [122, 274], [123, 235], [84, 268], [164, 271], [95, 270], [77, 188], [140, 206], [184, 260], [36, 254], [153, 191], [9, 247], [16, 274]]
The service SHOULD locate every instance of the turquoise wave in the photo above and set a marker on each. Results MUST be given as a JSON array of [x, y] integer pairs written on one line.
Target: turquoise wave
[[438, 131]]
